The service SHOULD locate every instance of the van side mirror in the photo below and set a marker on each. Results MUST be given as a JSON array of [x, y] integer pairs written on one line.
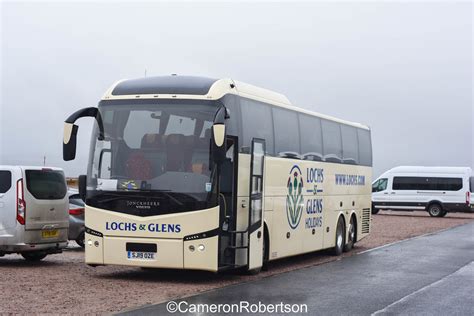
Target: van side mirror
[[70, 130], [218, 147], [82, 187]]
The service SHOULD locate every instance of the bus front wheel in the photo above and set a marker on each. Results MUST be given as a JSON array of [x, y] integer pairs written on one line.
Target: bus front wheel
[[340, 237]]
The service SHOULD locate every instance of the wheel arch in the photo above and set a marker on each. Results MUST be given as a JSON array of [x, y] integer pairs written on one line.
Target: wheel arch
[[434, 202]]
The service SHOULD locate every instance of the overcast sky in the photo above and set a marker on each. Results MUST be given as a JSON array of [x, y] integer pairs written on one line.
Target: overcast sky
[[403, 68]]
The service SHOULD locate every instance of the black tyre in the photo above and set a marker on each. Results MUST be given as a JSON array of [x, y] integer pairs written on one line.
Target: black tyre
[[265, 252], [351, 234], [375, 210], [444, 214], [340, 237], [80, 240], [33, 256], [435, 210]]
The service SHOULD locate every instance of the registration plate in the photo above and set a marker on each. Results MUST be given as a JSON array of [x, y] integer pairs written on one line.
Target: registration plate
[[140, 255], [50, 233]]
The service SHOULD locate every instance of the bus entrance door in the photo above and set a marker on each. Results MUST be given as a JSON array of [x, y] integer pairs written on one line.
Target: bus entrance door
[[256, 199]]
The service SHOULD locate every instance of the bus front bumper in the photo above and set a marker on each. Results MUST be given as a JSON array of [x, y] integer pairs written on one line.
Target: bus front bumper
[[198, 254]]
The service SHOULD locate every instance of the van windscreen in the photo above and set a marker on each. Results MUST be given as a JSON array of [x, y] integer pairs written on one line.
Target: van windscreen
[[46, 184]]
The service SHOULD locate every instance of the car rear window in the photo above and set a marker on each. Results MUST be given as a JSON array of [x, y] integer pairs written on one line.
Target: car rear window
[[46, 184], [76, 200], [5, 181]]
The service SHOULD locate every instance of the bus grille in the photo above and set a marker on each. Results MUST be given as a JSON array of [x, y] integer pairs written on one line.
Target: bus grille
[[366, 221]]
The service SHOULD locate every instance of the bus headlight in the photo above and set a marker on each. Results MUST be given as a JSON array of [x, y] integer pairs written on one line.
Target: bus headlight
[[201, 247], [191, 248], [96, 243], [89, 242]]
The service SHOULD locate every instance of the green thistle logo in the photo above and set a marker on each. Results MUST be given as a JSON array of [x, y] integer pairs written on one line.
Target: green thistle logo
[[294, 198]]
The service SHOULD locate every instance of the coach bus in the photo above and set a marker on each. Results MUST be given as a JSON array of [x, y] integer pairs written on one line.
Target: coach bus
[[197, 173]]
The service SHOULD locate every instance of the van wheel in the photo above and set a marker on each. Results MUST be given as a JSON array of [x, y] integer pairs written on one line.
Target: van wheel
[[375, 210], [80, 239], [351, 235], [340, 237], [435, 210], [33, 256]]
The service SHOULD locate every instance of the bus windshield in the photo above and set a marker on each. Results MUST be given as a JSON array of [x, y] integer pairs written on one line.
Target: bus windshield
[[155, 158]]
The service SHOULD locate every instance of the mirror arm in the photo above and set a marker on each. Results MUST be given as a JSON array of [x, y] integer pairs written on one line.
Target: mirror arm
[[91, 112]]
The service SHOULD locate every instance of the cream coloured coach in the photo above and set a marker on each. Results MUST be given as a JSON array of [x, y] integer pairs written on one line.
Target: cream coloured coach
[[197, 173]]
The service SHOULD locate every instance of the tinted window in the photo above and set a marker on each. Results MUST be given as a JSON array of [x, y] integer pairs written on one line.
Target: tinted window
[[311, 137], [46, 184], [427, 183], [256, 122], [332, 143], [76, 200], [5, 181], [380, 185], [350, 147], [287, 138], [471, 184], [365, 147]]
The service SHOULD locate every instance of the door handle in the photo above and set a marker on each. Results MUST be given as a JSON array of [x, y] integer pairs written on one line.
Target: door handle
[[392, 192], [385, 193]]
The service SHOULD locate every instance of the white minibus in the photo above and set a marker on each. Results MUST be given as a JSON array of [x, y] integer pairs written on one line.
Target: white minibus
[[437, 190], [34, 217]]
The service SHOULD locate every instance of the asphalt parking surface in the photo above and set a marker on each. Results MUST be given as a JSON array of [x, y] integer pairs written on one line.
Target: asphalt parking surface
[[428, 275], [63, 284]]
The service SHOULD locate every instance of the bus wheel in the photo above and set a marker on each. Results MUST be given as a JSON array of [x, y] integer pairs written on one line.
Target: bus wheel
[[375, 210], [435, 210], [351, 235], [33, 256], [340, 237]]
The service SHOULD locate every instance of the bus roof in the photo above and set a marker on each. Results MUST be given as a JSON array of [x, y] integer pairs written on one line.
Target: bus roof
[[193, 87]]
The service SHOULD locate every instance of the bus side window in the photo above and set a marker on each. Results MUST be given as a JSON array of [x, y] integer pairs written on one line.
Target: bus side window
[[332, 141]]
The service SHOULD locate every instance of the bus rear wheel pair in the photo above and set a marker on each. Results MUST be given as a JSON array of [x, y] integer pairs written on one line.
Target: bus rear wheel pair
[[341, 243]]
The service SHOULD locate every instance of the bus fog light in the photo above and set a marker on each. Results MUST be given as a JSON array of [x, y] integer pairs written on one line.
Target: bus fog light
[[89, 242], [201, 247], [191, 248], [96, 243]]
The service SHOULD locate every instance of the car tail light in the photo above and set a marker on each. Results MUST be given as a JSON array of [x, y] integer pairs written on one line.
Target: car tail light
[[76, 211], [20, 203], [468, 197]]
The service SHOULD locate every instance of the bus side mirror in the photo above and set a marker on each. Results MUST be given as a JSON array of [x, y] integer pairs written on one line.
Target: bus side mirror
[[218, 140], [218, 135], [82, 187], [70, 130], [69, 141]]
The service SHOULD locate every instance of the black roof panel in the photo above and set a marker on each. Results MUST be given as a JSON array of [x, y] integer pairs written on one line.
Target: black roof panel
[[165, 85]]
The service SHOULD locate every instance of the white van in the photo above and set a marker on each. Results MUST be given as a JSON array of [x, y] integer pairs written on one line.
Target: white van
[[437, 190], [34, 217]]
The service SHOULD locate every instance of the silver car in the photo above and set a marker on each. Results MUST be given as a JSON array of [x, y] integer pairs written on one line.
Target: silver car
[[76, 218]]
